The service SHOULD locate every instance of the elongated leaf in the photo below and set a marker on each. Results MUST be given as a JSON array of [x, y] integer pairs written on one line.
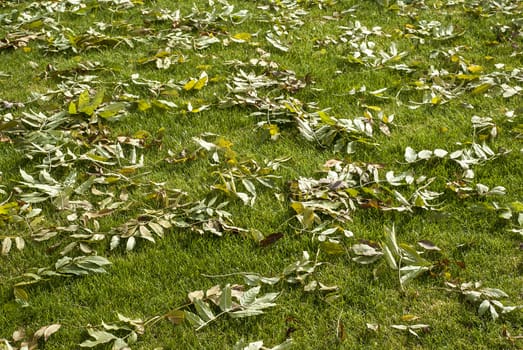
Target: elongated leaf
[[391, 259], [365, 249], [49, 330], [366, 260], [265, 299], [226, 299], [202, 81], [95, 259], [27, 178], [483, 307], [246, 313], [400, 327], [131, 242], [426, 244], [110, 111], [194, 319], [176, 317], [481, 88], [440, 153], [21, 295], [120, 344], [254, 280], [332, 248], [6, 245], [249, 186], [72, 108], [83, 99], [276, 42], [419, 326], [493, 312], [203, 309], [190, 84], [270, 239], [157, 228], [115, 242], [425, 154], [46, 331], [241, 37], [494, 293], [411, 255], [100, 337], [20, 243], [410, 155], [249, 296], [411, 272], [145, 233]]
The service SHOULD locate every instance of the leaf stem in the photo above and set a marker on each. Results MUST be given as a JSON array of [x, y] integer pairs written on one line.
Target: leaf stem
[[230, 274]]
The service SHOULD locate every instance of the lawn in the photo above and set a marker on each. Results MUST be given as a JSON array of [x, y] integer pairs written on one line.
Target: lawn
[[305, 174]]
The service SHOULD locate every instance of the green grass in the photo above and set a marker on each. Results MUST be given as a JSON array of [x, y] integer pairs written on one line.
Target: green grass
[[153, 279]]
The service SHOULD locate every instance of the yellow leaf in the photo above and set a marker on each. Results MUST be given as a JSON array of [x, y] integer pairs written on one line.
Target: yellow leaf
[[197, 84], [97, 158], [419, 202], [467, 76], [26, 49], [21, 294], [171, 92], [274, 130], [223, 143], [481, 88], [112, 179], [352, 192], [326, 118], [37, 24], [242, 36], [83, 99], [409, 317], [232, 161], [162, 54], [435, 100], [143, 105], [72, 108], [308, 217], [289, 107], [374, 108], [201, 82], [142, 134], [190, 84], [474, 68], [127, 170], [222, 187], [297, 206]]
